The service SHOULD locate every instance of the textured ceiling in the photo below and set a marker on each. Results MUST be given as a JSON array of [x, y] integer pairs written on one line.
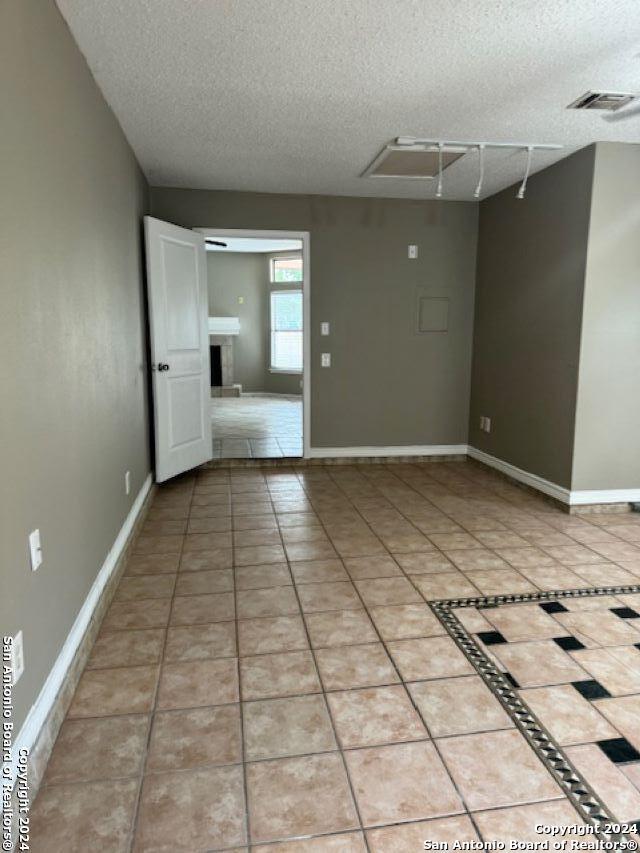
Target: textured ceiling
[[300, 95]]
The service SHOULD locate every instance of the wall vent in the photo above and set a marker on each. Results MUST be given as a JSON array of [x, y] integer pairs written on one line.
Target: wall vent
[[610, 101]]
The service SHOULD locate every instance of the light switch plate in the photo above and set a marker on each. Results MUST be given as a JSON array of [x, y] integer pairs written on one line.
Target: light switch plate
[[325, 359], [412, 251], [35, 550], [17, 658], [127, 482], [324, 328]]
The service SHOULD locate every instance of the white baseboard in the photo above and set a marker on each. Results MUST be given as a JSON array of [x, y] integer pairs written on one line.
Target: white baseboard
[[542, 485], [605, 496], [572, 498], [40, 709], [395, 450]]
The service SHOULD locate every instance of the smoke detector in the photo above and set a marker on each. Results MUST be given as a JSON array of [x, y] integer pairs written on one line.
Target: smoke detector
[[610, 101], [408, 159]]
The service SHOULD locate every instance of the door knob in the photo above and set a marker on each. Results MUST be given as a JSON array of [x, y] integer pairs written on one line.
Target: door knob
[[162, 366]]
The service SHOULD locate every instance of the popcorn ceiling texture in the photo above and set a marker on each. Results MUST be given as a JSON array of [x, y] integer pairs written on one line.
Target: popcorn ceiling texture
[[298, 96]]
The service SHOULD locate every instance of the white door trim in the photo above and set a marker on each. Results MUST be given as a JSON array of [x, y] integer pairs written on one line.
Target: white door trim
[[305, 236]]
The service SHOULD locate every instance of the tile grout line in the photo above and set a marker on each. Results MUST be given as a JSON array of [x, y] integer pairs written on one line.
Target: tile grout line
[[326, 703], [408, 693], [247, 824], [136, 812]]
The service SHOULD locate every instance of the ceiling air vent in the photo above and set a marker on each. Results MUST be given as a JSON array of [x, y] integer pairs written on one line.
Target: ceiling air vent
[[412, 160], [610, 101]]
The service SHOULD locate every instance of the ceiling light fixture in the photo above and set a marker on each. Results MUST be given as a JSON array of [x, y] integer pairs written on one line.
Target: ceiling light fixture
[[523, 185]]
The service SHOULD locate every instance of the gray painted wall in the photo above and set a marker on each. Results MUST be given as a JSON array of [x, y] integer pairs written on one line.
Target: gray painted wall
[[232, 275], [74, 412], [388, 385], [242, 274], [607, 442], [532, 258]]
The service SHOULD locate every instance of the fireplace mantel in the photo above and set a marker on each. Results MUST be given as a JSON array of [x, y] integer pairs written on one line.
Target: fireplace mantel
[[224, 326]]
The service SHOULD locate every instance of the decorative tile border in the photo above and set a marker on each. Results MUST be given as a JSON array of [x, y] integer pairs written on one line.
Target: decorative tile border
[[588, 805]]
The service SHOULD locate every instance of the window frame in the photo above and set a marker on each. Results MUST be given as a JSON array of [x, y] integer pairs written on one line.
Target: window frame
[[294, 288], [272, 269]]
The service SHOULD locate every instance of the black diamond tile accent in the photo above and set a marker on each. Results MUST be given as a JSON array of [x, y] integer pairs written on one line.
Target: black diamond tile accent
[[625, 612], [591, 689], [511, 679], [491, 638], [553, 607], [619, 750], [569, 644]]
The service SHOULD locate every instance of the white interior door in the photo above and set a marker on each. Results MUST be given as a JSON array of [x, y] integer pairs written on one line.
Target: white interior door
[[178, 311]]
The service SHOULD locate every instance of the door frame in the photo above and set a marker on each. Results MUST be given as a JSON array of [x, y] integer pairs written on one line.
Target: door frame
[[305, 236]]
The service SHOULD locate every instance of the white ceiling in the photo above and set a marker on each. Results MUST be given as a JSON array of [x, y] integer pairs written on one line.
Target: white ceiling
[[251, 244], [300, 95]]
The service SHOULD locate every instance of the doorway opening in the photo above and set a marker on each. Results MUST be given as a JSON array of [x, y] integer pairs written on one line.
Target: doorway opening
[[258, 290]]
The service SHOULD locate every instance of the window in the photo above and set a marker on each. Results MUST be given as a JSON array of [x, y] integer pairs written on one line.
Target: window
[[286, 330], [286, 269]]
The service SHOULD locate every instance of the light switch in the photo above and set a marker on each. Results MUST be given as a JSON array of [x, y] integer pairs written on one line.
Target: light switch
[[413, 251], [35, 550], [325, 359], [324, 328], [240, 300]]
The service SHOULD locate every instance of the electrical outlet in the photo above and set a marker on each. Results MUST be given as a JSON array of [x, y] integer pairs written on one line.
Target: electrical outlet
[[16, 657], [487, 424], [412, 251], [35, 550], [127, 482], [325, 359], [324, 328]]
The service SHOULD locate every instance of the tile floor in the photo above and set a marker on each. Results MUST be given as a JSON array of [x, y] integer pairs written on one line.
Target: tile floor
[[271, 677], [255, 427]]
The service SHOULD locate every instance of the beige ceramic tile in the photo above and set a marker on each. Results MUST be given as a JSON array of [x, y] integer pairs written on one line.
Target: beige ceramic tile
[[383, 591], [198, 609], [340, 628], [197, 642], [127, 648], [277, 601], [273, 675], [317, 597], [191, 810], [405, 621], [192, 684], [275, 728], [91, 816], [624, 714], [538, 663], [271, 634], [567, 715], [294, 797], [518, 823], [517, 777], [607, 780], [429, 657], [402, 782], [102, 692], [201, 583], [101, 748], [455, 706], [445, 585], [346, 667], [195, 737], [374, 716], [404, 838]]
